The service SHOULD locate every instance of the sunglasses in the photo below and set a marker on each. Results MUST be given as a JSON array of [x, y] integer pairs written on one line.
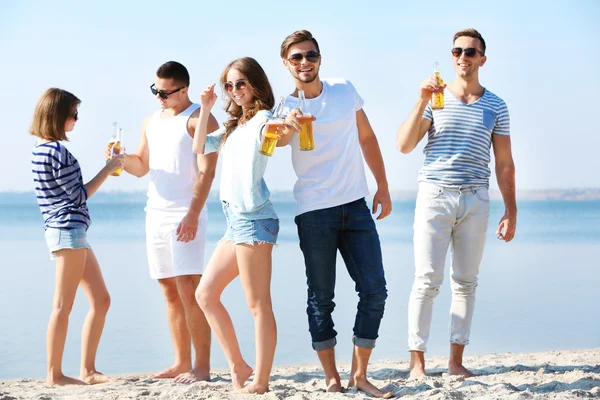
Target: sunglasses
[[161, 94], [76, 115], [311, 56], [239, 85], [469, 52]]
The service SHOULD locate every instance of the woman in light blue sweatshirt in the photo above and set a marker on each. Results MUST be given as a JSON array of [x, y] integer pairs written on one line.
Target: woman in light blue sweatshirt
[[252, 225]]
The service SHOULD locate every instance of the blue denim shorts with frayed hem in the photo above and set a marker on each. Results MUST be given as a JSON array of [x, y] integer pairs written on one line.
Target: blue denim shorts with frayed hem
[[60, 239], [242, 230]]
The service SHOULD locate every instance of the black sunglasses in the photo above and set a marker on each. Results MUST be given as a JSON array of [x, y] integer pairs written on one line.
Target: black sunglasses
[[163, 95], [469, 52], [311, 56], [76, 115], [240, 84]]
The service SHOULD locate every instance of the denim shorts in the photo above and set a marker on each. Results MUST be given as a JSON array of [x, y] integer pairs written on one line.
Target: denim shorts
[[60, 239], [242, 230]]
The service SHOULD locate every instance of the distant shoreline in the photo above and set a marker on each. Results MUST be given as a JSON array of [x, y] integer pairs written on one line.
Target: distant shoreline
[[573, 194]]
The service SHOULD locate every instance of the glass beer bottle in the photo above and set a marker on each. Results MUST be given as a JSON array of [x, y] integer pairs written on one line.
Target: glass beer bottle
[[305, 137], [116, 146], [437, 98], [271, 136]]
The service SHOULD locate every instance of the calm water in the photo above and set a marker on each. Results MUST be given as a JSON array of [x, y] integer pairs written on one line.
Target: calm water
[[539, 292]]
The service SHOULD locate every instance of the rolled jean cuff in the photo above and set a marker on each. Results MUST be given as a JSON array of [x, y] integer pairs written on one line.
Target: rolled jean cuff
[[324, 345], [364, 343], [462, 342]]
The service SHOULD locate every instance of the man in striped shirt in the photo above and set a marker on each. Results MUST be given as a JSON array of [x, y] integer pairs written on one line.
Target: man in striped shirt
[[453, 204]]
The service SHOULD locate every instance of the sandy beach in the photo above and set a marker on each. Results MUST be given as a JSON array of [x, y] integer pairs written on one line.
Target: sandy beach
[[569, 374]]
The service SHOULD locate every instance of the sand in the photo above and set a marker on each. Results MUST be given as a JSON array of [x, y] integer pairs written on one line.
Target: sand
[[572, 374]]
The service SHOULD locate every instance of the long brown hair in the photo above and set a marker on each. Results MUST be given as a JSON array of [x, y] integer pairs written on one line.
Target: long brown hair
[[51, 113], [258, 84]]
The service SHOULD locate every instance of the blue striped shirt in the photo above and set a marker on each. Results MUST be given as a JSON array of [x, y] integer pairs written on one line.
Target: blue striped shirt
[[459, 140], [59, 187]]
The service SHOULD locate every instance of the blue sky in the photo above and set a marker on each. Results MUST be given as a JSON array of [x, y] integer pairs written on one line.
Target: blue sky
[[543, 60]]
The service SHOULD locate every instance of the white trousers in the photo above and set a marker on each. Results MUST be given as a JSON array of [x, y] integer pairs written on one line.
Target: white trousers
[[446, 217]]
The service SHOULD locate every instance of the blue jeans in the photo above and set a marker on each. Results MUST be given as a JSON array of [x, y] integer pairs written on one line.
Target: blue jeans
[[350, 229]]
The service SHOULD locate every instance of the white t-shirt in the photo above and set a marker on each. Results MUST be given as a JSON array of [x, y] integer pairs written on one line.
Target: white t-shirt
[[243, 167], [333, 173]]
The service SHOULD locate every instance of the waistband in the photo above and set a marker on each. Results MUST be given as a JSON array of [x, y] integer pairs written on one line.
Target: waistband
[[457, 189]]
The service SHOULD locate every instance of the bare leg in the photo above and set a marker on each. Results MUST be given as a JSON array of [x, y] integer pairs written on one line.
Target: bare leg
[[455, 364], [198, 328], [179, 330], [332, 377], [358, 374], [70, 266], [417, 364], [220, 271], [94, 288], [255, 262]]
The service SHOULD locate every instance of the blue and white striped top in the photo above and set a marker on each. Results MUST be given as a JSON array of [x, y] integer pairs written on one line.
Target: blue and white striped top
[[459, 140], [59, 187]]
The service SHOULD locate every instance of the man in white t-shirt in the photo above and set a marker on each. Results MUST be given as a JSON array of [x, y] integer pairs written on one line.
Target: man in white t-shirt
[[331, 211], [176, 215]]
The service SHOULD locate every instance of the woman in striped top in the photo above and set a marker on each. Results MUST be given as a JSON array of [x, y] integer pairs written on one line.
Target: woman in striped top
[[61, 195]]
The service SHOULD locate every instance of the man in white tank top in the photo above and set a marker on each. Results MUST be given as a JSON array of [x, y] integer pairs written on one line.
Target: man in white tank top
[[176, 215]]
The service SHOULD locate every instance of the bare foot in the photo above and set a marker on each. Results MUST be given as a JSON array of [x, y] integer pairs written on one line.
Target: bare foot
[[95, 377], [334, 384], [240, 375], [459, 370], [195, 375], [334, 387], [253, 388], [367, 387], [172, 372], [61, 380], [417, 372], [417, 365]]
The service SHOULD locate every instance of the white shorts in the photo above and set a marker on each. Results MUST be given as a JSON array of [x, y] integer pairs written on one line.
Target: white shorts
[[166, 256]]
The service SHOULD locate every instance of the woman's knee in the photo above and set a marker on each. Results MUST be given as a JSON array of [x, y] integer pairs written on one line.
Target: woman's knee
[[61, 309], [101, 303], [260, 307], [205, 297]]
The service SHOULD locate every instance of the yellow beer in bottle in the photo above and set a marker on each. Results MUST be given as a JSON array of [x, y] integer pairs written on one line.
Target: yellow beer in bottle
[[116, 146], [437, 98], [270, 138], [306, 137]]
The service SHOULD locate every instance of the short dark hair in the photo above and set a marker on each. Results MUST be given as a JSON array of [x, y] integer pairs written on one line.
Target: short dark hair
[[51, 113], [297, 37], [176, 71], [471, 33]]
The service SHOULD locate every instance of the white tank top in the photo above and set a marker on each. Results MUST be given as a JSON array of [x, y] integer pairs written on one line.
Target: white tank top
[[173, 166]]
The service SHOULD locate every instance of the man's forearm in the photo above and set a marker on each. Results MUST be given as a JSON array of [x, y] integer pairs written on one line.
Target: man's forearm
[[506, 182], [374, 159], [408, 135], [135, 166], [201, 190]]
